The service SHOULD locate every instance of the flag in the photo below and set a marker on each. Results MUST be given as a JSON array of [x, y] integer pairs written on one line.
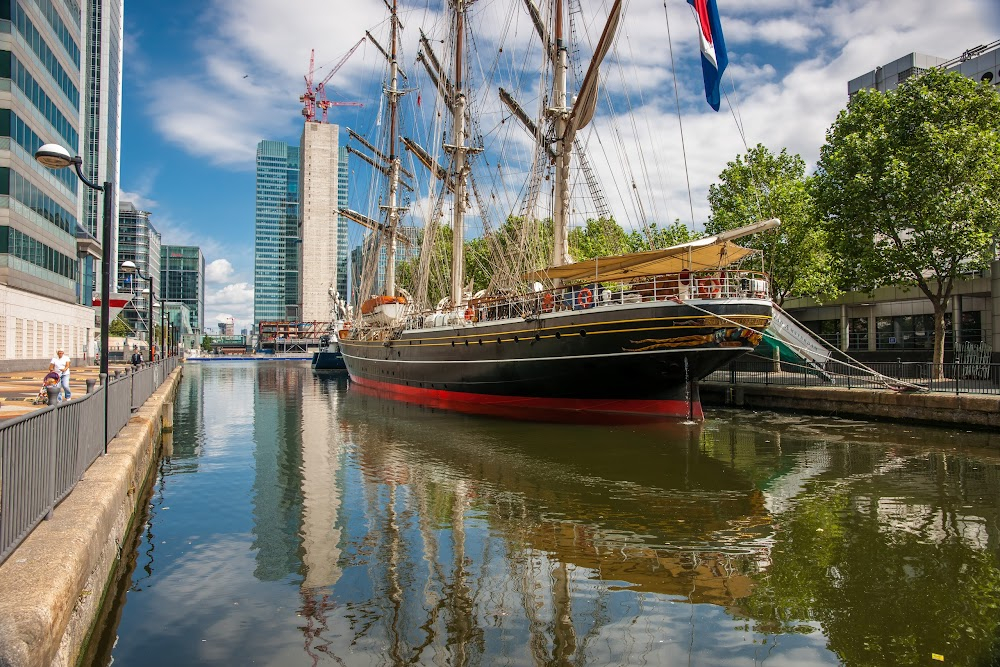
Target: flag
[[713, 47]]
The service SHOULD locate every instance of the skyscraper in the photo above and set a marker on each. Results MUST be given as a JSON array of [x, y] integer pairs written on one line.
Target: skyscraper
[[139, 242], [101, 141], [182, 280], [276, 238], [323, 168], [41, 283]]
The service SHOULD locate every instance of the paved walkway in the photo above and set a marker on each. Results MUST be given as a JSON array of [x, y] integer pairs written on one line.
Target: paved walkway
[[19, 388]]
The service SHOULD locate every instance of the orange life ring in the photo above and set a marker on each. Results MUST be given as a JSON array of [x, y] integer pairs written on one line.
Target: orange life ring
[[469, 313], [585, 298], [548, 302]]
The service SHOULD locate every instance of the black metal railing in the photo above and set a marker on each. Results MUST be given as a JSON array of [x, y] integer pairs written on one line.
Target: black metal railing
[[45, 453], [955, 377]]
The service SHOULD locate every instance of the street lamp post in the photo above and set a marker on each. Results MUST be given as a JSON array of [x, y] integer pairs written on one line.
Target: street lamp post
[[163, 327], [55, 156], [129, 266]]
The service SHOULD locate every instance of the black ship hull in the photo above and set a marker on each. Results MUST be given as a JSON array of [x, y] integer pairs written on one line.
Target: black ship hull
[[628, 359], [328, 360]]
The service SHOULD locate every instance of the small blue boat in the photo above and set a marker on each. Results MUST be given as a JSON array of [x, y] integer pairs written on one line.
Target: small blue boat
[[328, 358]]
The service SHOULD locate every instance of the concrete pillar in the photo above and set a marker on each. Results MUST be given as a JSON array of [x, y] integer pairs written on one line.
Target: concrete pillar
[[845, 329], [168, 417], [167, 445], [872, 342]]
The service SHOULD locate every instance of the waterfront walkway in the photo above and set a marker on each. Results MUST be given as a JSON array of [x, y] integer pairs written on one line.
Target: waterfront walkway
[[52, 585], [19, 388]]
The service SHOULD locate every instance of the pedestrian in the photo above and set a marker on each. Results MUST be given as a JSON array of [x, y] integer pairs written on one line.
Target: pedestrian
[[60, 364], [136, 357]]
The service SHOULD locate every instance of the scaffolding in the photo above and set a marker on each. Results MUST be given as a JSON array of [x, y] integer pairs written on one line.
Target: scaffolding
[[280, 337]]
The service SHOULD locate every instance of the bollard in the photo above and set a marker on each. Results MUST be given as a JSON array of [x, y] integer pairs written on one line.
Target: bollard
[[53, 393], [90, 385], [104, 379]]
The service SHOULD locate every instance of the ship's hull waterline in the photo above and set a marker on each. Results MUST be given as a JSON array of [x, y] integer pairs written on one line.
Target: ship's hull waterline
[[629, 360]]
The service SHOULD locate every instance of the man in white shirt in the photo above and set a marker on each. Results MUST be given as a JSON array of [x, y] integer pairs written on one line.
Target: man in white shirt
[[60, 364]]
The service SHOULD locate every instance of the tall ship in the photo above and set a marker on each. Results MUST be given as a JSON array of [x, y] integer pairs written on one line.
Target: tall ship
[[541, 336]]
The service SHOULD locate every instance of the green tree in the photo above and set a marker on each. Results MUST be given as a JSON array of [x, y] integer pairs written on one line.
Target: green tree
[[761, 185], [119, 327], [908, 185], [206, 343], [661, 237], [597, 238]]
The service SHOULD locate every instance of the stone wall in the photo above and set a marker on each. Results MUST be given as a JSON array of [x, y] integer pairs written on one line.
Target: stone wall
[[52, 586], [927, 407]]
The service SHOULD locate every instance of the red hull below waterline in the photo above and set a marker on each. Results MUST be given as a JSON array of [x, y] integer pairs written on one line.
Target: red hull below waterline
[[567, 410]]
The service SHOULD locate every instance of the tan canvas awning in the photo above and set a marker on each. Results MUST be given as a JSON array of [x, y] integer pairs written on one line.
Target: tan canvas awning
[[707, 254]]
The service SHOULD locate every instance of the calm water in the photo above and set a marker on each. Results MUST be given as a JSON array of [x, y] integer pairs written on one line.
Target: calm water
[[299, 522]]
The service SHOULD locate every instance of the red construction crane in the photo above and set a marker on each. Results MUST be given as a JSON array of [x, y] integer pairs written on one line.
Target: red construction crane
[[315, 98]]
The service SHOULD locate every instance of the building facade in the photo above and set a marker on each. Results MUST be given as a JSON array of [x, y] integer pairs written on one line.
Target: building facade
[[981, 63], [42, 252], [342, 243], [323, 231], [138, 242], [101, 136], [276, 215], [182, 280]]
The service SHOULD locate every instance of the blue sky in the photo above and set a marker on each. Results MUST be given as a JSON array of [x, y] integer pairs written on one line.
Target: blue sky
[[205, 80]]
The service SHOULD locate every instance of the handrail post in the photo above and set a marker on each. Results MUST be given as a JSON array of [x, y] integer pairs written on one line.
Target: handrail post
[[104, 386], [54, 444]]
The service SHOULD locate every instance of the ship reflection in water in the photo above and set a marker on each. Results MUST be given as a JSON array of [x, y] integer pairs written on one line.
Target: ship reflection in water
[[358, 530]]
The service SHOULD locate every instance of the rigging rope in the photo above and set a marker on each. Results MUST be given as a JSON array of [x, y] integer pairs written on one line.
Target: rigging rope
[[680, 120]]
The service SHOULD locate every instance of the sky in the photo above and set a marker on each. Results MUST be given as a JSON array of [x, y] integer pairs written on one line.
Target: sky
[[206, 80]]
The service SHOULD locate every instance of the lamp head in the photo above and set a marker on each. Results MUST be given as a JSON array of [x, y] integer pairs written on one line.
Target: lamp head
[[54, 156], [128, 266]]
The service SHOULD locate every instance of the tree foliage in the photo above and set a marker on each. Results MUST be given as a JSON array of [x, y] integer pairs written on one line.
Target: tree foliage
[[762, 185], [908, 186], [119, 327], [661, 237]]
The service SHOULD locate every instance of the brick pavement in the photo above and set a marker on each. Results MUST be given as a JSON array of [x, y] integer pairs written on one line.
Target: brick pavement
[[19, 388]]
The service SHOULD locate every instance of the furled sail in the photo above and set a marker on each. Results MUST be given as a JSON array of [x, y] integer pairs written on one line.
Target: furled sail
[[586, 101]]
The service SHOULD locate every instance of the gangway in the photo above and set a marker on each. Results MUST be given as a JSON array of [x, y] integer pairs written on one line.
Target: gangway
[[795, 343]]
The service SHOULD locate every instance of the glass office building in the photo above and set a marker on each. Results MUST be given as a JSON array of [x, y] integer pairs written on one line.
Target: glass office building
[[182, 280], [138, 242], [42, 252], [101, 136], [276, 215]]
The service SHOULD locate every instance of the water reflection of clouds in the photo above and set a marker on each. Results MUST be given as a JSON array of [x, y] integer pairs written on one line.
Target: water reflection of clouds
[[228, 407], [389, 535]]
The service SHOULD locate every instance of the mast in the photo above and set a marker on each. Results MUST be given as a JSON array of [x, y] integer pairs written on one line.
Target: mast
[[392, 210], [564, 147], [461, 169]]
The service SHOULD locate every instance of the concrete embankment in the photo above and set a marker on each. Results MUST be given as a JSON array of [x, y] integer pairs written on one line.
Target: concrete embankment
[[52, 586], [977, 410]]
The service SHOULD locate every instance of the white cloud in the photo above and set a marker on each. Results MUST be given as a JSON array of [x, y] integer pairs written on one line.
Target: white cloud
[[790, 63], [234, 300], [140, 201], [219, 271]]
